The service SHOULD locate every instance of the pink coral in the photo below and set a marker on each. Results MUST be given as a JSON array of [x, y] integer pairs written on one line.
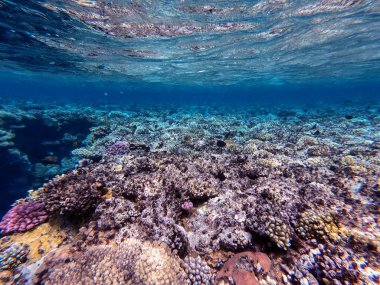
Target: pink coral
[[23, 217]]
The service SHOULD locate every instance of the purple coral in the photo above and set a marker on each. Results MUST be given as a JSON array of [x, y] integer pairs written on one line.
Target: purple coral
[[118, 148], [23, 217], [187, 205]]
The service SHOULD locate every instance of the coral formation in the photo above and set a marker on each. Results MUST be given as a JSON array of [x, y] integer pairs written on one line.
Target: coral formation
[[317, 225], [23, 217], [246, 268], [12, 255], [197, 271], [114, 213], [118, 148], [131, 262], [73, 193], [287, 184], [273, 208]]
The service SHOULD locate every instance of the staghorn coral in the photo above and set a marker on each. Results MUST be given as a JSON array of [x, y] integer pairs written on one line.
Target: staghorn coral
[[23, 217]]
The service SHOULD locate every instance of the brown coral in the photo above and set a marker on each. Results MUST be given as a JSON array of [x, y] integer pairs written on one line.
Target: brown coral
[[72, 193], [245, 268], [313, 224], [132, 262]]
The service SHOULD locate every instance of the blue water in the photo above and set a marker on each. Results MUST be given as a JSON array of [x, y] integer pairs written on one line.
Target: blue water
[[198, 43]]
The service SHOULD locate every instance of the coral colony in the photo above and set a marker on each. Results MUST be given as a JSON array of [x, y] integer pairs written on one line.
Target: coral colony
[[228, 198]]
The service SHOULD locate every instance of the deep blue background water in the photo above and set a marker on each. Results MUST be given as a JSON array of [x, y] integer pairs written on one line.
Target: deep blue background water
[[102, 91]]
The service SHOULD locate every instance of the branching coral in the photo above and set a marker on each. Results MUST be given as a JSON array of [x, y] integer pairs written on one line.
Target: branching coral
[[73, 193]]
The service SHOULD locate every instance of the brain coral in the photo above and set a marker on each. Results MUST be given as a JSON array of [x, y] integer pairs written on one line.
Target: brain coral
[[23, 217], [132, 262]]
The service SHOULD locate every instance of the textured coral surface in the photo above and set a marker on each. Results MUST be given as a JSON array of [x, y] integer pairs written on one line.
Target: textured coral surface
[[201, 200], [23, 217]]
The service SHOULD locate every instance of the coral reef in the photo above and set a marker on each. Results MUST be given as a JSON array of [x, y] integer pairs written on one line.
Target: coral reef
[[23, 217], [206, 196]]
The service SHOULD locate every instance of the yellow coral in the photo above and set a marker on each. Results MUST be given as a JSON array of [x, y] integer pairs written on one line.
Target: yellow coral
[[41, 240], [313, 224]]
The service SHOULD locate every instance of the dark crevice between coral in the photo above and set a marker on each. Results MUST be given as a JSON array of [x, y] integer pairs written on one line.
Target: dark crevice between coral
[[41, 149], [40, 140]]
